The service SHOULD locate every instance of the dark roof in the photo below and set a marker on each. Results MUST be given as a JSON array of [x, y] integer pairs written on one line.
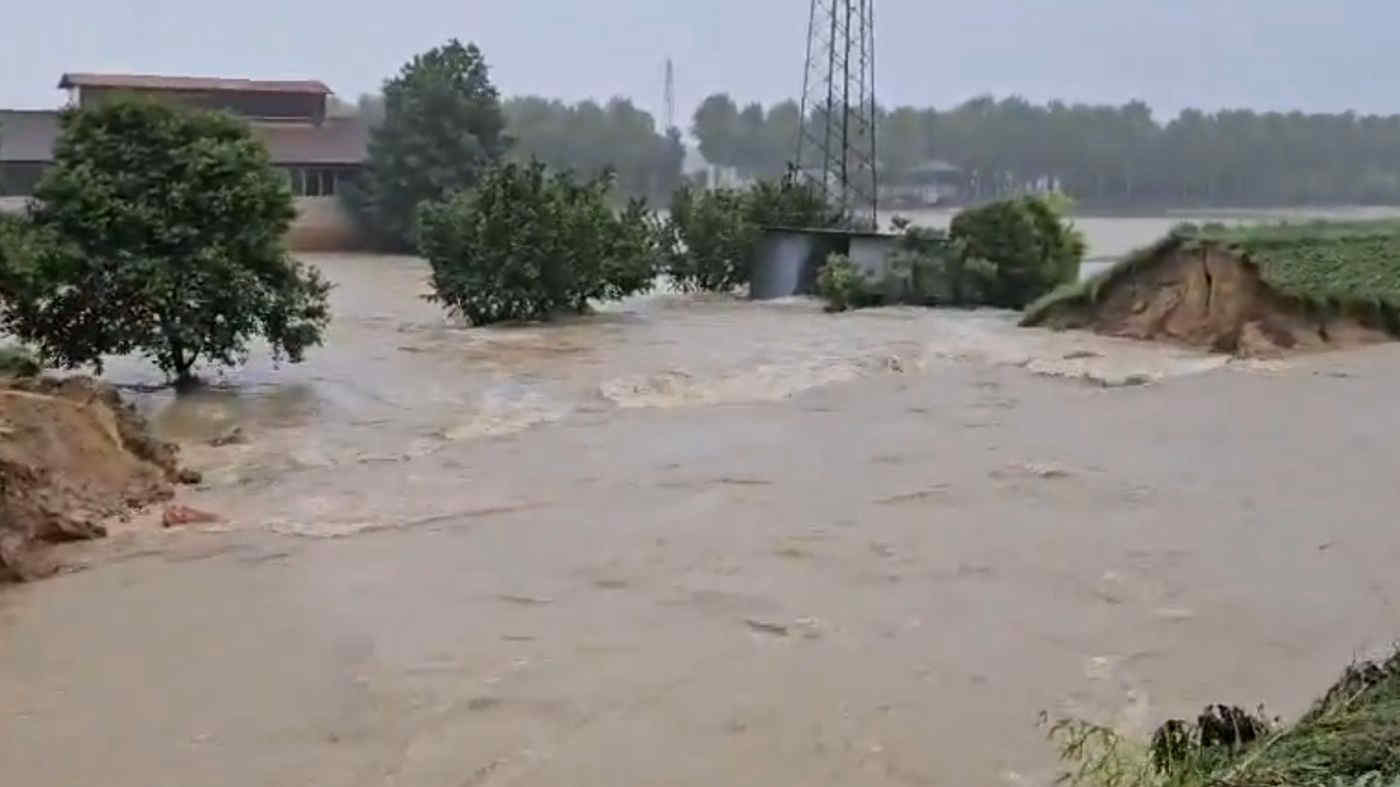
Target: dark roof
[[152, 82], [27, 135], [833, 231], [30, 136], [335, 141]]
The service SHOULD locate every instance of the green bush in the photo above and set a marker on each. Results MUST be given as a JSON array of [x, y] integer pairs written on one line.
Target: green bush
[[526, 244], [926, 268], [1029, 243], [845, 285], [1004, 254], [158, 230], [712, 234]]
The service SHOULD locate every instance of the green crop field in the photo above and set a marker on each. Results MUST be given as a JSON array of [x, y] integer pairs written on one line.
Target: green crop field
[[1338, 265]]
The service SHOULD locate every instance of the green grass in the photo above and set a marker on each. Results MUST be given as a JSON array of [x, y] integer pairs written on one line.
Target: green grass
[[1335, 265], [1351, 736]]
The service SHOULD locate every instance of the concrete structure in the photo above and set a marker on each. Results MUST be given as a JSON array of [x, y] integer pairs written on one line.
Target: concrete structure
[[319, 153], [788, 258], [931, 183]]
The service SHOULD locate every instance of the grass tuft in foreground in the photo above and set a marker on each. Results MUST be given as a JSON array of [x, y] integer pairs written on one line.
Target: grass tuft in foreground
[[1350, 737]]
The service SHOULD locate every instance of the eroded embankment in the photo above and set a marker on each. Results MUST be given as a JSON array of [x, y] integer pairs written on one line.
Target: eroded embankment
[[1212, 295], [72, 455]]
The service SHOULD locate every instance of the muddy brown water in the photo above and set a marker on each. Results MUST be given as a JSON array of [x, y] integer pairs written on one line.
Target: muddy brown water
[[698, 541]]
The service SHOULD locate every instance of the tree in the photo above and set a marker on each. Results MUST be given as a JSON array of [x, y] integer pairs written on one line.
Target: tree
[[1104, 156], [527, 243], [442, 126], [160, 231], [716, 125], [590, 139]]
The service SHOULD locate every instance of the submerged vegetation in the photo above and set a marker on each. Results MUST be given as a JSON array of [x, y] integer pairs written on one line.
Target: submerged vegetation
[[527, 243], [17, 361], [712, 234], [1351, 736], [159, 231], [1004, 254], [1325, 266]]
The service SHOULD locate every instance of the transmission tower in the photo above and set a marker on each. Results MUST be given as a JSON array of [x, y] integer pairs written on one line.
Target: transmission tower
[[836, 144], [670, 96]]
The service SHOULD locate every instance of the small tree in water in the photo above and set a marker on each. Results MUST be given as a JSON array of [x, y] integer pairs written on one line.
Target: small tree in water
[[527, 243], [160, 231]]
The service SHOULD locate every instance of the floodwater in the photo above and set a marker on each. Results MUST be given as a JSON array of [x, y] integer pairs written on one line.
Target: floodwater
[[695, 541]]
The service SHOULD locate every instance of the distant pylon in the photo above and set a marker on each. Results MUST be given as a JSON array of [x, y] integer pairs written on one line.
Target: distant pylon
[[670, 96], [836, 144]]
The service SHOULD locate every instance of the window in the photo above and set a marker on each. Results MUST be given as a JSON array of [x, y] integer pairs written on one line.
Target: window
[[312, 182]]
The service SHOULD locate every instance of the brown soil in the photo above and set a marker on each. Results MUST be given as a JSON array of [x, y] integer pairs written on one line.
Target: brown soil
[[1210, 297], [72, 455]]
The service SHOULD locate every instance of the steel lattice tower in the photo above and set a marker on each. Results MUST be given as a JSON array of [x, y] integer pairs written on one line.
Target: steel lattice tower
[[836, 144]]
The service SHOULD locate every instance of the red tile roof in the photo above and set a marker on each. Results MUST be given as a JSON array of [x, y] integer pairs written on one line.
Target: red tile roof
[[151, 82]]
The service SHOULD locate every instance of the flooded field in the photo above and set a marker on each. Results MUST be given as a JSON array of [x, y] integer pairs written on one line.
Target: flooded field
[[697, 541], [398, 380]]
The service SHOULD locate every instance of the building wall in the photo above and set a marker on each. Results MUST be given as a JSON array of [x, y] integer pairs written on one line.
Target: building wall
[[19, 178], [871, 253], [323, 224]]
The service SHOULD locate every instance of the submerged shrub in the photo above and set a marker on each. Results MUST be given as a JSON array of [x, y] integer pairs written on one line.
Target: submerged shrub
[[17, 361], [527, 243], [1004, 254], [713, 233], [1029, 243], [844, 284]]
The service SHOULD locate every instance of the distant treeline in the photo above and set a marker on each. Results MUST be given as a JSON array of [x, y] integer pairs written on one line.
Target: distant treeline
[[1104, 156], [588, 138], [1101, 155]]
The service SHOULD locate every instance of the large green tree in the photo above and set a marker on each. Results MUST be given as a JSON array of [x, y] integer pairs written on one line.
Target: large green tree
[[159, 231], [442, 125]]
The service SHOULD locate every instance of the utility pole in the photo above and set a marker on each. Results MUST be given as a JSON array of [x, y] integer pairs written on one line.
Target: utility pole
[[670, 94]]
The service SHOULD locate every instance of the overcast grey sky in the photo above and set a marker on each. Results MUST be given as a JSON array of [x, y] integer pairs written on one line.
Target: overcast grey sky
[[1265, 54]]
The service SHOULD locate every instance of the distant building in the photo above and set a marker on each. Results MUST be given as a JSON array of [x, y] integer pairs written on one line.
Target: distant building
[[929, 184], [319, 153]]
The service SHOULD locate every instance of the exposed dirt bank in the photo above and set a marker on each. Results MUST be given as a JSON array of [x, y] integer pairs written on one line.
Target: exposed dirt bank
[[1207, 295], [72, 455]]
